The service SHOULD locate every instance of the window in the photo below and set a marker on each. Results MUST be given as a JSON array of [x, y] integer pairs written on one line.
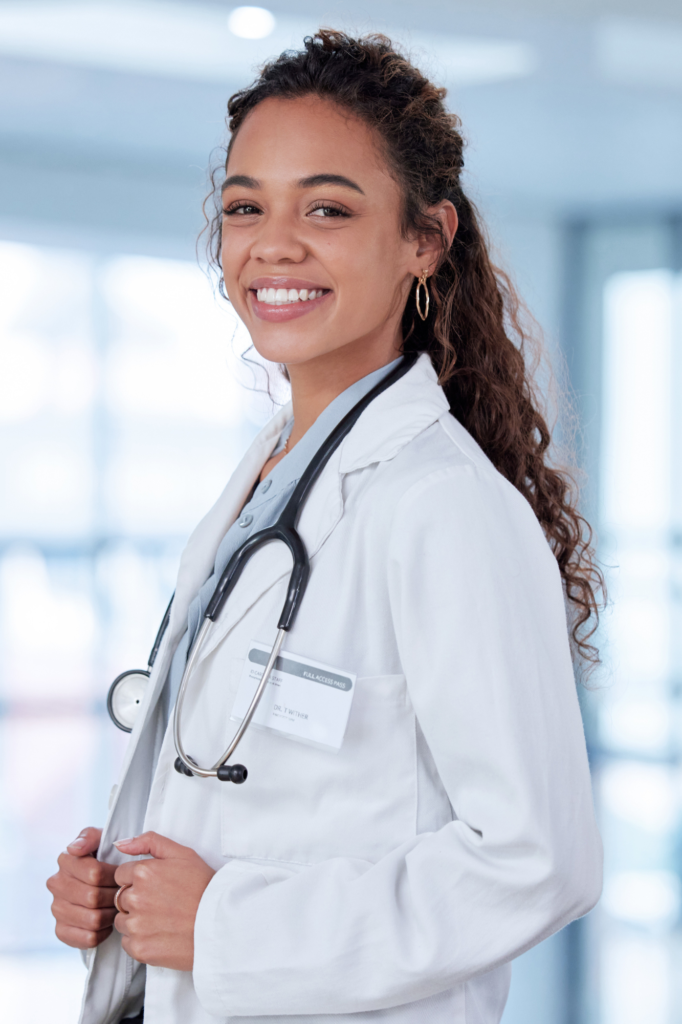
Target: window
[[639, 781], [623, 340], [122, 415]]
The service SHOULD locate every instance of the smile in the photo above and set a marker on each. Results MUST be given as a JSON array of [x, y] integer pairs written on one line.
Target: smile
[[285, 296], [279, 300]]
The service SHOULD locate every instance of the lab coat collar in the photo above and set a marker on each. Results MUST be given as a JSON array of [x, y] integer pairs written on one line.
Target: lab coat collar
[[401, 412]]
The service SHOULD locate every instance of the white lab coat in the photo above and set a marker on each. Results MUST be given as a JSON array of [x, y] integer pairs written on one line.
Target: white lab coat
[[396, 879]]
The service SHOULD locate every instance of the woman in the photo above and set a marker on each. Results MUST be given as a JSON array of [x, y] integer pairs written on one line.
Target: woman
[[454, 828]]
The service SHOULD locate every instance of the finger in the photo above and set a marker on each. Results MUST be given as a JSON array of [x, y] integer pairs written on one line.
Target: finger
[[86, 842], [93, 897], [70, 915], [121, 923], [87, 869], [124, 873], [80, 939], [154, 844]]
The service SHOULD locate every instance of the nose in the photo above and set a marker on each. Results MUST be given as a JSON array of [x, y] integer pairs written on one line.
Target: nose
[[278, 241]]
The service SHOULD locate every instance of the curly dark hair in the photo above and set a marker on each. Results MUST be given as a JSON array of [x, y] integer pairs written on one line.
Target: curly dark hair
[[477, 337]]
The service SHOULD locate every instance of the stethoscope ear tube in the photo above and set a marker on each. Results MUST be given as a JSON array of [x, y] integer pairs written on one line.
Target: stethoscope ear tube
[[297, 580], [186, 765], [297, 583]]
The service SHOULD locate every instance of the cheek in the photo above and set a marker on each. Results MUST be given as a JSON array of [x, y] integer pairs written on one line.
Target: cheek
[[373, 274]]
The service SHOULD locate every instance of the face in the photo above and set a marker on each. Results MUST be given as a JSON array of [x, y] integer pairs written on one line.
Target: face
[[313, 256]]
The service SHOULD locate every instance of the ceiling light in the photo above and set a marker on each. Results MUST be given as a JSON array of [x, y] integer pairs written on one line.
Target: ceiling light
[[251, 22]]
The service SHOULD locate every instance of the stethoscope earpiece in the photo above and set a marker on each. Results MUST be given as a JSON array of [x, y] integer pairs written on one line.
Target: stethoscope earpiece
[[236, 773], [182, 769]]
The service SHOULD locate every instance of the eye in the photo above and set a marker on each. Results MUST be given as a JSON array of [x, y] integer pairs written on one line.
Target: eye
[[240, 208], [325, 209]]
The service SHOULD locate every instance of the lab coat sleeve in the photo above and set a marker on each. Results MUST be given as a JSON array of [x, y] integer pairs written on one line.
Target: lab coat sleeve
[[480, 623]]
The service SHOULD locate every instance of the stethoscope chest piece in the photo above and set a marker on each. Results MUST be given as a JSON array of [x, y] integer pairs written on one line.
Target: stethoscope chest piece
[[125, 697]]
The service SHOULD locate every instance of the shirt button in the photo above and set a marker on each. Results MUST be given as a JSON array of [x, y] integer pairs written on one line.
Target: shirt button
[[246, 521], [265, 486]]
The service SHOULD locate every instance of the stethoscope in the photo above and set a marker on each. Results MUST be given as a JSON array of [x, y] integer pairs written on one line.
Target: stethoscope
[[127, 690]]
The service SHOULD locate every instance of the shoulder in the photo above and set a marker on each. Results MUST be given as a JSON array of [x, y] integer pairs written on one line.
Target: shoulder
[[446, 456], [444, 485]]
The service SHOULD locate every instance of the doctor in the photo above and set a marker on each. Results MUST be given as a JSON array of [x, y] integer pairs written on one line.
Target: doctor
[[392, 864]]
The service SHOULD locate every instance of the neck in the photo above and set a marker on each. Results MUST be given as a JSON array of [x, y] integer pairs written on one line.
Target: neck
[[317, 382]]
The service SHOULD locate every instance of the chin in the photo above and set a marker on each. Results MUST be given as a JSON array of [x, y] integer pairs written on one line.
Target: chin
[[289, 346]]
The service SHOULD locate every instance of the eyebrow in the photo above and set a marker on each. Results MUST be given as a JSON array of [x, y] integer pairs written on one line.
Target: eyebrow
[[329, 179], [315, 180], [243, 180]]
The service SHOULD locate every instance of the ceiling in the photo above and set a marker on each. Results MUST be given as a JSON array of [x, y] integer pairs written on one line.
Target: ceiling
[[408, 13], [567, 106]]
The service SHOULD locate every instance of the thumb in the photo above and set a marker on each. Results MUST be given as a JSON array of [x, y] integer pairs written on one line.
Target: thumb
[[86, 842], [151, 843]]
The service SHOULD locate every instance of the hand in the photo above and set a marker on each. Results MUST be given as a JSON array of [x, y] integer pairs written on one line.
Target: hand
[[83, 891], [160, 909]]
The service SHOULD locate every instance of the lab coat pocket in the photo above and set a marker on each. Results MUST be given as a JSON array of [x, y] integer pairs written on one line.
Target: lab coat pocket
[[302, 805]]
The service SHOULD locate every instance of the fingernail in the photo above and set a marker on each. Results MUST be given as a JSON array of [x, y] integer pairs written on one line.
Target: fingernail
[[78, 842], [123, 842]]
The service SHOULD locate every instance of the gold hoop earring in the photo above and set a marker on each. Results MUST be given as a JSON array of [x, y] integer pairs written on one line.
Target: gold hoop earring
[[421, 283]]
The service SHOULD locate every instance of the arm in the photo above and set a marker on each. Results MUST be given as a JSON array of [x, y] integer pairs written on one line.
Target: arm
[[480, 624]]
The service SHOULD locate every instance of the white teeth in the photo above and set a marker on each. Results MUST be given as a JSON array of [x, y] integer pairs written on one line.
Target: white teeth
[[284, 296]]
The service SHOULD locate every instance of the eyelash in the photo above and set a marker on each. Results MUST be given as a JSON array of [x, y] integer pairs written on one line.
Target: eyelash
[[239, 205], [338, 211]]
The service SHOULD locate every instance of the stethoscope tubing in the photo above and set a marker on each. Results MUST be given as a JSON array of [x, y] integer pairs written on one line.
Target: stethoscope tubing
[[284, 530], [191, 765]]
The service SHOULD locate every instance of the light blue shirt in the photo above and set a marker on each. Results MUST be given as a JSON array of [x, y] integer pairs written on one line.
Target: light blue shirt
[[264, 508]]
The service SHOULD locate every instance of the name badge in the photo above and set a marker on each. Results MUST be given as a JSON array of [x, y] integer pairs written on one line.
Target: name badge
[[303, 699]]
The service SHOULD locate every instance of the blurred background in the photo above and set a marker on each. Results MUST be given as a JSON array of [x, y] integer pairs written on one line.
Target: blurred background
[[124, 405]]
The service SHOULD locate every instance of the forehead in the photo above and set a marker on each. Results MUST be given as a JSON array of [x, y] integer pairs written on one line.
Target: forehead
[[289, 139]]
